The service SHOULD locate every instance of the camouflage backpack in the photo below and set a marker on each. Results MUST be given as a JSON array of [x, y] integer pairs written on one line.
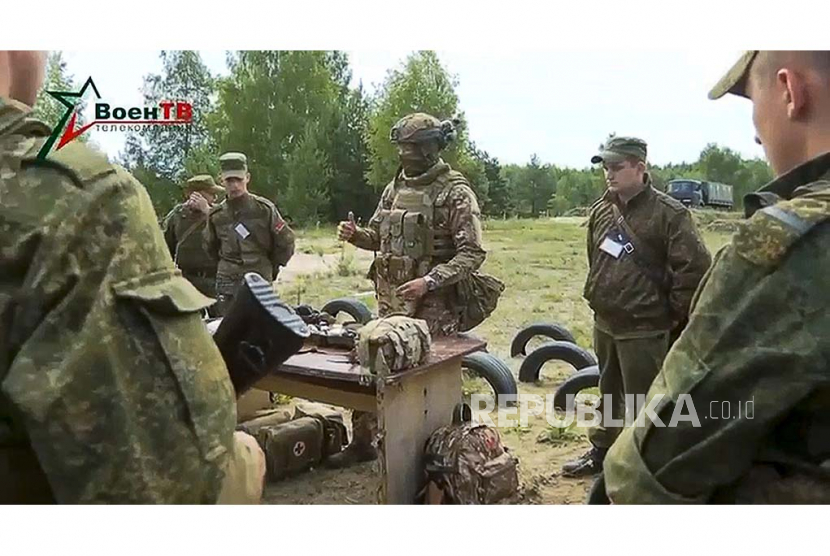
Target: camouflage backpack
[[469, 465], [393, 344]]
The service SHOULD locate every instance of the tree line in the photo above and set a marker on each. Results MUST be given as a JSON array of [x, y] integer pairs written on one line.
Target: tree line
[[319, 146]]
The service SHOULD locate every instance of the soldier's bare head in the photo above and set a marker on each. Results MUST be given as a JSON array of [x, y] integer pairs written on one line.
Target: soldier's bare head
[[790, 93], [21, 74]]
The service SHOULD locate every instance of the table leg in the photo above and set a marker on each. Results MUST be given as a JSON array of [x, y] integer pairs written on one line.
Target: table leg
[[409, 411]]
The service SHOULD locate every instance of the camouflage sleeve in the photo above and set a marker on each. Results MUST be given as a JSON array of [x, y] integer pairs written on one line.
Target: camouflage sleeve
[[210, 239], [169, 229], [122, 393], [688, 260], [590, 239], [368, 237], [282, 241], [465, 227], [754, 349]]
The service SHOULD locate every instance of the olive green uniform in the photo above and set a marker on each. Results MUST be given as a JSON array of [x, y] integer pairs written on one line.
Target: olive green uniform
[[638, 300], [759, 334], [183, 230], [246, 234], [111, 389]]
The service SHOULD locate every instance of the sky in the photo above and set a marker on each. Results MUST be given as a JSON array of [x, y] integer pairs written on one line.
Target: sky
[[558, 104]]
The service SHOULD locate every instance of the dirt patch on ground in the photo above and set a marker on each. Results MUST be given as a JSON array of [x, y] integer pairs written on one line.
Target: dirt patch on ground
[[540, 466], [304, 264]]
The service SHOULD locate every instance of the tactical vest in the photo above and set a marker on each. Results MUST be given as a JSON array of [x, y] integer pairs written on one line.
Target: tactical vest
[[414, 233]]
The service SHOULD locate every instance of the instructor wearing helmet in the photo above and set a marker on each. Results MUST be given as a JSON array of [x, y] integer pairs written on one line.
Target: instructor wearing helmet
[[427, 232]]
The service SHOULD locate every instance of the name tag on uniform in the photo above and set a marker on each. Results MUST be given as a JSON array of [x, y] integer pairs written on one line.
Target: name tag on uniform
[[242, 230], [611, 247]]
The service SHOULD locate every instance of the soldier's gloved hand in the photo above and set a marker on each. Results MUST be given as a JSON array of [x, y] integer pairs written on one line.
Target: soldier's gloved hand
[[346, 228], [414, 289], [198, 202]]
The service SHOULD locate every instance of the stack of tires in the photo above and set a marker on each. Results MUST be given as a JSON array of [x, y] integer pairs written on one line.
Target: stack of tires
[[562, 348]]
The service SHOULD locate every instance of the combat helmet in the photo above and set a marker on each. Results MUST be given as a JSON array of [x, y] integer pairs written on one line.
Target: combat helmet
[[420, 128]]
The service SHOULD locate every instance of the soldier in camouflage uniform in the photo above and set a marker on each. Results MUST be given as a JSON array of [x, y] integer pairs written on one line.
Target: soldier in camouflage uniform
[[245, 233], [183, 228], [427, 232], [111, 389], [760, 326], [645, 260]]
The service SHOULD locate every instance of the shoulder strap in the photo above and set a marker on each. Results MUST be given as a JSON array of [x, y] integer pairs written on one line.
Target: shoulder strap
[[452, 180], [773, 231], [187, 233], [640, 252]]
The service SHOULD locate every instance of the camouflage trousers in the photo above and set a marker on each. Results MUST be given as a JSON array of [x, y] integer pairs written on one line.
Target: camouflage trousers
[[627, 366], [438, 310], [226, 286], [225, 289]]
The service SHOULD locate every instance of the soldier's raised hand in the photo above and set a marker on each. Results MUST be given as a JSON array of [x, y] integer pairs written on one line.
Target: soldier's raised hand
[[346, 228], [198, 202]]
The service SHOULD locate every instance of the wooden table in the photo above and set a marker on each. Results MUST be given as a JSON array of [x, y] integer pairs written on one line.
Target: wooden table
[[410, 405]]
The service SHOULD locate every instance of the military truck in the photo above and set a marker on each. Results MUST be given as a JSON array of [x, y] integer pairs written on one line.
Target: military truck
[[697, 193]]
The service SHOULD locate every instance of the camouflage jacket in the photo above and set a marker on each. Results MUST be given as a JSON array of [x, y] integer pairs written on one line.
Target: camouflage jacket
[[183, 231], [752, 366], [111, 387], [627, 299], [459, 217], [248, 234]]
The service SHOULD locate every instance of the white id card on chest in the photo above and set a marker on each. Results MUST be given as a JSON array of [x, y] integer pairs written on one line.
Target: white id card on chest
[[611, 247], [242, 230]]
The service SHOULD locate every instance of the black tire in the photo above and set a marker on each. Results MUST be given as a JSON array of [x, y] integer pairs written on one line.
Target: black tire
[[559, 351], [549, 330], [582, 379], [495, 372], [597, 495], [352, 307]]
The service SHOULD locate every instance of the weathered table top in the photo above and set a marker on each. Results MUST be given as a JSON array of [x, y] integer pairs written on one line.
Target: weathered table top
[[335, 364]]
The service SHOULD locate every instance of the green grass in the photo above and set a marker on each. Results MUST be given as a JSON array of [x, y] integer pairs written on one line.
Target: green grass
[[318, 240], [542, 263], [319, 288]]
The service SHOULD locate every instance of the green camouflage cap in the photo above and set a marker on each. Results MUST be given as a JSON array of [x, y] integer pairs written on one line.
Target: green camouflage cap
[[233, 165], [203, 182], [617, 149], [735, 79]]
